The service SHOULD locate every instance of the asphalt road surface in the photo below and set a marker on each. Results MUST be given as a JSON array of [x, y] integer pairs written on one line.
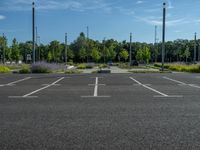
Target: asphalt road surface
[[97, 112]]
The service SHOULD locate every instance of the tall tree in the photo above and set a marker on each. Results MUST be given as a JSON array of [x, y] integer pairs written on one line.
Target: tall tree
[[15, 53]]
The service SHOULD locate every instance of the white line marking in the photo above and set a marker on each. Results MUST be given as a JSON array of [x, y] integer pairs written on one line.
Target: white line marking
[[29, 94], [96, 87], [164, 95], [175, 81], [191, 85], [96, 90], [12, 83], [195, 86], [95, 96]]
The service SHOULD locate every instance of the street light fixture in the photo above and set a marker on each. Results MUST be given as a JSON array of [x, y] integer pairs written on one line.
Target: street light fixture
[[130, 53], [163, 36], [33, 30]]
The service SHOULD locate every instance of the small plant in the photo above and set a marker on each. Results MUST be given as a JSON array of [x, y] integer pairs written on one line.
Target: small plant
[[73, 71], [81, 66], [4, 69], [25, 69], [43, 67], [103, 66]]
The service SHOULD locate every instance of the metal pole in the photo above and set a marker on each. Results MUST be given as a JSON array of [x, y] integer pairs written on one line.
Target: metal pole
[[87, 47], [195, 52], [65, 59], [155, 43], [163, 36], [104, 48], [39, 47], [4, 44], [33, 31], [130, 53]]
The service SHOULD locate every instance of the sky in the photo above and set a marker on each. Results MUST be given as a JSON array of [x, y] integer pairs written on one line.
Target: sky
[[105, 18]]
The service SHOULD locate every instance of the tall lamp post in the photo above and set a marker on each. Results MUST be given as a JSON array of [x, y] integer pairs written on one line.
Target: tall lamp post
[[65, 55], [195, 46], [130, 52], [163, 36], [33, 30]]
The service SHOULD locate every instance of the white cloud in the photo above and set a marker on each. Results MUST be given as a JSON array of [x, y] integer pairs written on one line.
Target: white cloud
[[139, 2], [158, 21], [2, 17], [75, 5]]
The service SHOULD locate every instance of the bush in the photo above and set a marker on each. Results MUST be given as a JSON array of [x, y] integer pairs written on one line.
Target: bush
[[73, 71], [43, 67], [81, 66], [103, 66], [25, 69], [4, 69]]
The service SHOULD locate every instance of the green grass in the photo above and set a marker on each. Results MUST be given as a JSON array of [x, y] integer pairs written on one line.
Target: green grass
[[4, 69], [180, 67]]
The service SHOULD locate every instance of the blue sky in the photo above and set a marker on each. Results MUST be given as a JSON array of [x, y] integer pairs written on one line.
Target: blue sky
[[105, 18]]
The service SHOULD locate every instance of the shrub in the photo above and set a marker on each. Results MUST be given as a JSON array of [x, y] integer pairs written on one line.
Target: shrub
[[43, 67], [4, 69], [73, 71], [25, 69], [103, 66], [81, 66]]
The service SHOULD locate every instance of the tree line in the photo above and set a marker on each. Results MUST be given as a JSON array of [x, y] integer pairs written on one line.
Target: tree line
[[88, 50]]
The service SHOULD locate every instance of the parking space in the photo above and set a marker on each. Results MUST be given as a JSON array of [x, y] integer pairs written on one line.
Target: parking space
[[114, 111]]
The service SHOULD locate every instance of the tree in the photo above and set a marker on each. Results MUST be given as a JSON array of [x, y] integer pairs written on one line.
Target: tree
[[95, 55], [49, 57], [186, 53], [56, 50], [124, 54], [139, 55], [15, 53], [4, 51], [146, 54], [82, 54]]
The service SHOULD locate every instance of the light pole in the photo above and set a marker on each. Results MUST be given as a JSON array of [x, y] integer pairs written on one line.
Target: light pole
[[130, 52], [195, 52], [104, 50], [65, 55], [163, 36], [33, 31], [155, 44], [3, 47]]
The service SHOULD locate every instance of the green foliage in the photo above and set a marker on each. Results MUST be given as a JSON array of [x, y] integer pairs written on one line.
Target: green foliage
[[15, 53], [101, 66], [73, 71], [81, 66], [181, 68], [82, 54], [95, 55], [124, 54], [4, 69], [143, 54], [25, 69]]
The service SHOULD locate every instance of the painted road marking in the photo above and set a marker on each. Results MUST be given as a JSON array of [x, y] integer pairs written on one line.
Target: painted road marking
[[179, 82], [12, 83], [154, 90], [191, 85], [36, 91], [96, 85]]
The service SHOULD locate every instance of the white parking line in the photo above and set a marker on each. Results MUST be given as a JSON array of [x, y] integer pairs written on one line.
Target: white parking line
[[96, 90], [36, 91], [175, 81], [12, 83], [191, 85], [154, 90]]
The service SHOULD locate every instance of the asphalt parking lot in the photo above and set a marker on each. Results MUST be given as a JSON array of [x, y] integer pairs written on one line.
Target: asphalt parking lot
[[93, 112]]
